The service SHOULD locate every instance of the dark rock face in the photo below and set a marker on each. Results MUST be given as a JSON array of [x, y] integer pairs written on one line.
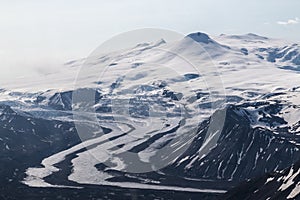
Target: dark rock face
[[244, 51], [242, 151], [64, 100], [25, 140], [200, 37], [61, 101], [281, 54], [273, 186]]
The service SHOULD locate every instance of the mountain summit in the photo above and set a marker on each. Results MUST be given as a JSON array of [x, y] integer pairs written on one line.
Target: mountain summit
[[200, 37]]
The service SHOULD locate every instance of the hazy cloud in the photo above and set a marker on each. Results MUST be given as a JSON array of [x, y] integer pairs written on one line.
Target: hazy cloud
[[288, 22]]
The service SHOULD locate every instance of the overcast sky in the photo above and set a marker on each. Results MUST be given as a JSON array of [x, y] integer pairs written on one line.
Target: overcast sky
[[37, 36]]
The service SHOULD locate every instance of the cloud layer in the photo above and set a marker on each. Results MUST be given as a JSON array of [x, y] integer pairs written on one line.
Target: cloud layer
[[289, 22]]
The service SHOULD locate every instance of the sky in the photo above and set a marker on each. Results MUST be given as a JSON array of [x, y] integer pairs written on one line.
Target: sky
[[38, 36]]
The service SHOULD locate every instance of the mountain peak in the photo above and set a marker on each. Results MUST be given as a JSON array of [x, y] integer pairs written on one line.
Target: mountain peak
[[200, 37], [159, 42], [248, 36], [255, 36]]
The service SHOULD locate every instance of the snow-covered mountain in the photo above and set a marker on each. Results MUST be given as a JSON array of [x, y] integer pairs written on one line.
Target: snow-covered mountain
[[195, 116]]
